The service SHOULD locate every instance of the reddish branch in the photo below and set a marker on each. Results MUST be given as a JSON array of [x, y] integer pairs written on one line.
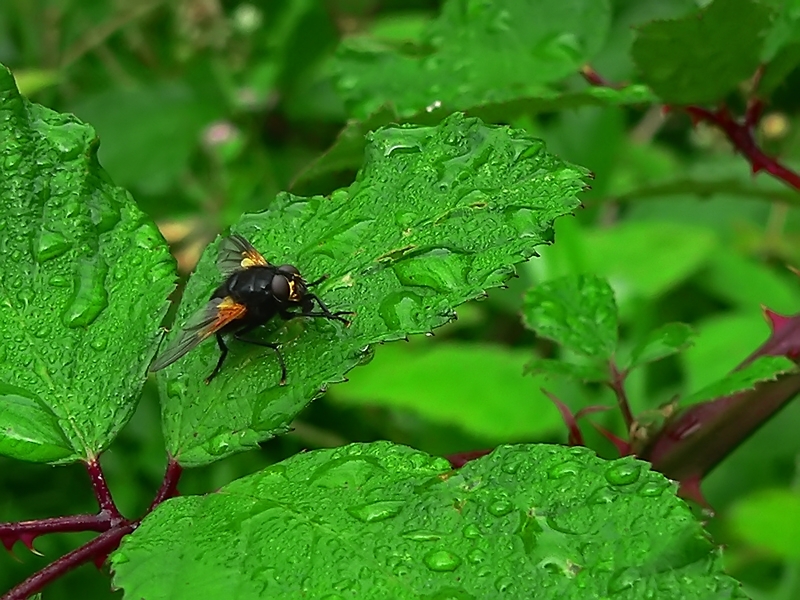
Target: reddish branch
[[99, 546], [112, 525], [617, 385], [739, 131], [101, 491]]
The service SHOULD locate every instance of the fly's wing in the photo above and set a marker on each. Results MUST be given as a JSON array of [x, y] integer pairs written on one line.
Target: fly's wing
[[236, 253], [211, 318]]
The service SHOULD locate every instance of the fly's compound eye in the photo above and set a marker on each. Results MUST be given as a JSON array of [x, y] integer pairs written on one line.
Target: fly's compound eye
[[288, 269], [280, 287]]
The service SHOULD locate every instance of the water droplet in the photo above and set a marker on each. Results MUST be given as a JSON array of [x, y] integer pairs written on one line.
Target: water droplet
[[343, 240], [653, 489], [50, 244], [333, 597], [376, 511], [59, 281], [99, 343], [441, 560], [564, 469], [504, 585], [402, 310], [623, 473], [89, 297], [500, 507], [476, 556], [421, 535], [471, 531], [602, 495], [441, 269]]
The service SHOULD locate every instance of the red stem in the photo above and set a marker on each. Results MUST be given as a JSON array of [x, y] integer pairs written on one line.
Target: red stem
[[738, 132], [102, 544], [28, 531], [101, 491], [169, 487], [617, 384]]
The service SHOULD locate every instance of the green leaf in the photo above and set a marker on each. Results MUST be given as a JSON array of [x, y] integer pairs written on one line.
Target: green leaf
[[666, 340], [479, 388], [764, 368], [436, 216], [577, 312], [32, 432], [750, 284], [769, 520], [381, 521], [722, 343], [703, 56], [348, 150], [133, 124], [84, 287], [483, 52], [549, 367], [648, 258]]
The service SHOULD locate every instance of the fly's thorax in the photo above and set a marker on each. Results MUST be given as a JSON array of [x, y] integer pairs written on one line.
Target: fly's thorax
[[249, 285]]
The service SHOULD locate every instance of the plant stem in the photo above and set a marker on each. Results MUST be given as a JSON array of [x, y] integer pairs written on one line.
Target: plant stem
[[617, 384], [169, 487], [102, 544], [28, 531], [738, 132], [101, 491]]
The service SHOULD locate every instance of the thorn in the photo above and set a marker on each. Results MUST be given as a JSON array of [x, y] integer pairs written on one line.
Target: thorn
[[622, 446], [28, 539], [776, 321], [100, 560], [8, 542], [690, 490], [756, 167], [665, 110]]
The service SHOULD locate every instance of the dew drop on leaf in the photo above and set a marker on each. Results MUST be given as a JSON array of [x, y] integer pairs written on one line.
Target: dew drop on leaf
[[563, 470], [376, 511], [653, 489], [89, 297], [471, 531], [500, 507], [50, 244], [441, 560], [421, 535], [623, 473]]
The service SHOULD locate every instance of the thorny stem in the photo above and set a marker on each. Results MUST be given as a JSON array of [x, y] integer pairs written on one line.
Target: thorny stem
[[99, 546], [27, 531], [617, 384], [101, 491], [109, 521], [738, 131]]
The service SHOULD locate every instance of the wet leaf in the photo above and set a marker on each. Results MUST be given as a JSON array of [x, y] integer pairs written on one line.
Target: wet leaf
[[437, 215], [577, 312], [348, 150], [475, 53], [84, 287], [703, 56], [381, 521]]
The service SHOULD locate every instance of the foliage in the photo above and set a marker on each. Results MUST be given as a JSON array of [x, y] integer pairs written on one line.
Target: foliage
[[399, 149]]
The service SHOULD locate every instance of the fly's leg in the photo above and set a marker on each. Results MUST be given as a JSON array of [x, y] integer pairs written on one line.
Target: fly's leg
[[325, 311], [317, 281], [223, 353], [275, 347]]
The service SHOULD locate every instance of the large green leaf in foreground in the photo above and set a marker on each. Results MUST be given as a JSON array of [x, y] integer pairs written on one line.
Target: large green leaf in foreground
[[381, 521], [436, 216], [85, 276]]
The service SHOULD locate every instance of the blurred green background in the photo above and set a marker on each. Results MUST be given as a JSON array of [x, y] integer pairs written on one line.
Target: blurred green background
[[207, 108]]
